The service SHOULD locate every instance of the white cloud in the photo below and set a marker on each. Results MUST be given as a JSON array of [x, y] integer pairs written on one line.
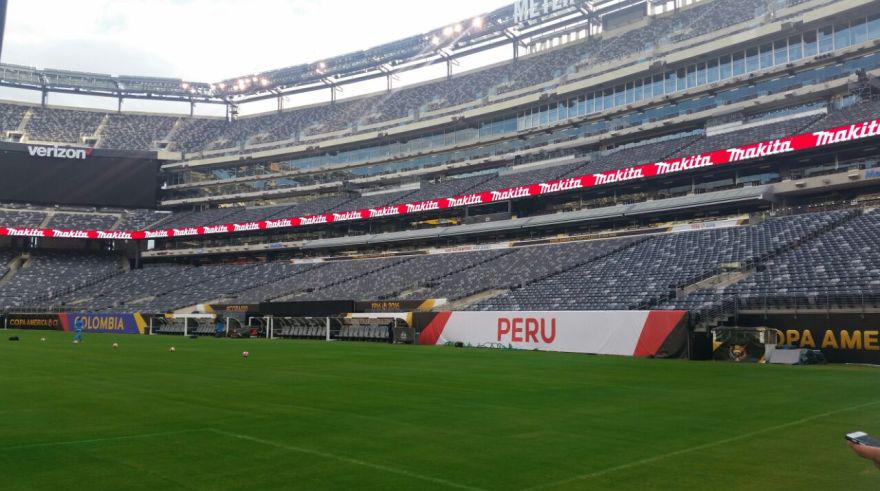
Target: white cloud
[[209, 40]]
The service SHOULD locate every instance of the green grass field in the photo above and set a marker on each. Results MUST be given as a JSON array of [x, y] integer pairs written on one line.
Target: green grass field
[[314, 415]]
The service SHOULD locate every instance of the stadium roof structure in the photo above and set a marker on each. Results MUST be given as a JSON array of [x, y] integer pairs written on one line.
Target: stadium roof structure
[[515, 25]]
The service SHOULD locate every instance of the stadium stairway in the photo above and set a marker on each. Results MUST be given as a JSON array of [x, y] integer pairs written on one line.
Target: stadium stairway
[[468, 302], [719, 312], [412, 291], [327, 286], [12, 266]]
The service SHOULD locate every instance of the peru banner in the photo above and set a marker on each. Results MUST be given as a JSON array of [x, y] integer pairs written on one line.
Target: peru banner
[[660, 334]]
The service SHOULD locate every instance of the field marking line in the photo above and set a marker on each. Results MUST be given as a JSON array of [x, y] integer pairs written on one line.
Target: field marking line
[[101, 440], [704, 446], [349, 460]]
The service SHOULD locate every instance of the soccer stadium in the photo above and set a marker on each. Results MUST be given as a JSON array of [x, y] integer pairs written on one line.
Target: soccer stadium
[[562, 244]]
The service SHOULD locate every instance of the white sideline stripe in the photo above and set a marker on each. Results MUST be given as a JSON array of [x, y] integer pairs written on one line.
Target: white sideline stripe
[[100, 440], [704, 446], [349, 460]]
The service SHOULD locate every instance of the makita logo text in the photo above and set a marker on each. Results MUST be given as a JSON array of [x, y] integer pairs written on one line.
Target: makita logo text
[[687, 163], [384, 212], [216, 229], [313, 220], [761, 150], [70, 234], [59, 152], [156, 234], [346, 216], [279, 223], [526, 330], [426, 206], [185, 231], [520, 192], [563, 185], [246, 227], [473, 199], [24, 232], [619, 176], [114, 235], [854, 132]]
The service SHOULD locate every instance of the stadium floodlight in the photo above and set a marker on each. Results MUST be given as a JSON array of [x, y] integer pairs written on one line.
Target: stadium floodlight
[[435, 41], [457, 28], [447, 31], [184, 86], [477, 23], [264, 82]]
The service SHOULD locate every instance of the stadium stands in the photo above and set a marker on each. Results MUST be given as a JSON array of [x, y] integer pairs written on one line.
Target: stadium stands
[[78, 218], [627, 273], [651, 271], [523, 255], [135, 131], [841, 267], [45, 275]]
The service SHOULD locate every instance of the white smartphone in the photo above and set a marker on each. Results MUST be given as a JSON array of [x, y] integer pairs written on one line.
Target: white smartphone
[[862, 438]]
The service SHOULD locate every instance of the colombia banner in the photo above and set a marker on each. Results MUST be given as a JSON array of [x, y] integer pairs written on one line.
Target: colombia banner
[[105, 323]]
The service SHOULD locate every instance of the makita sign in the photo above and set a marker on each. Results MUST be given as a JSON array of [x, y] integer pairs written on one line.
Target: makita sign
[[25, 232], [70, 234], [472, 199], [246, 227], [184, 232], [313, 220], [115, 235], [56, 152], [854, 132], [687, 163], [563, 185], [216, 229], [287, 222], [419, 207], [795, 143], [520, 192], [766, 149], [347, 216], [618, 176], [525, 10], [384, 212]]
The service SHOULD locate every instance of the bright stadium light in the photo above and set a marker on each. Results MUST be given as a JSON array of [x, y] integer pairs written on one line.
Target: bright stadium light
[[447, 31], [184, 86], [222, 86], [435, 41], [477, 22], [457, 28], [264, 82]]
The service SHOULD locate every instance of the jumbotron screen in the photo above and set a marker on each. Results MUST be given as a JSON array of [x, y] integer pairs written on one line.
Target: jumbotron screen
[[41, 174]]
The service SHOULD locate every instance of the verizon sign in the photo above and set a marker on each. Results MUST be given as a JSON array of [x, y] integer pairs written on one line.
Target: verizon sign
[[796, 143], [55, 152], [525, 10]]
